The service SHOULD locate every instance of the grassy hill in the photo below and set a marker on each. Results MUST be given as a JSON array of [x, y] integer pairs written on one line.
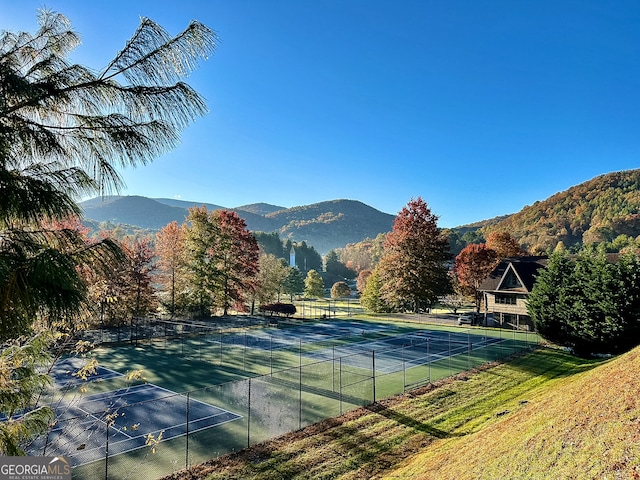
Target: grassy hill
[[580, 427], [545, 415]]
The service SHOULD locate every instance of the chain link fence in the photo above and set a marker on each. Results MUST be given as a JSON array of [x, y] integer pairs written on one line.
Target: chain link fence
[[155, 437]]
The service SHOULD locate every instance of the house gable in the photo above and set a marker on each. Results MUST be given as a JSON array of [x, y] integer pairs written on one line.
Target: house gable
[[514, 275], [511, 281]]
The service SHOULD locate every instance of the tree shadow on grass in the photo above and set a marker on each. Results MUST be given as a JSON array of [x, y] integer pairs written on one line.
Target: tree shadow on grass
[[409, 421]]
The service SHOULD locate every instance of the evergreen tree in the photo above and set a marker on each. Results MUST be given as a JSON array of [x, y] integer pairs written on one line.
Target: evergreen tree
[[371, 298], [201, 272], [270, 243], [550, 299], [335, 267], [313, 285], [588, 304], [307, 258], [294, 283]]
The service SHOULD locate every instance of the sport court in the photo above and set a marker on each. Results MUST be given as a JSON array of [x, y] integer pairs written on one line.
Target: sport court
[[327, 367], [133, 413]]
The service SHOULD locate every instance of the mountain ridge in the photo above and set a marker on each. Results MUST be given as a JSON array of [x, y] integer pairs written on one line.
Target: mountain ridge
[[595, 211], [323, 225], [599, 210]]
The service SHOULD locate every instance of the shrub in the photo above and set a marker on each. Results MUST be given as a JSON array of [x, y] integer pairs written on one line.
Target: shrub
[[340, 290], [286, 309]]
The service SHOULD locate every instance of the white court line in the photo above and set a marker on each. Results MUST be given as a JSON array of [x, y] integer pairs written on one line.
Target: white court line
[[222, 411]]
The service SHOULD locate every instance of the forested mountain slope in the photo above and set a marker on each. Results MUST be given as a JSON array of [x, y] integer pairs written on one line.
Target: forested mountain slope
[[598, 210], [348, 221], [324, 225]]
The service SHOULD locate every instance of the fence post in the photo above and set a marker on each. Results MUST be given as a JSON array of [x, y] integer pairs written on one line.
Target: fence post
[[450, 361], [106, 453], [404, 372], [333, 368], [186, 460], [249, 416], [300, 391], [373, 373], [428, 361], [244, 353], [340, 377], [469, 351]]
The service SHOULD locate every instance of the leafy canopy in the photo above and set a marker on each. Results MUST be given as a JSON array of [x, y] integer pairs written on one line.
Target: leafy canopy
[[413, 268]]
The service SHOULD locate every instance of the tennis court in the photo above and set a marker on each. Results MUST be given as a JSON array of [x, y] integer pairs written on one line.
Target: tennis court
[[398, 352], [245, 387], [122, 420], [64, 373], [279, 338]]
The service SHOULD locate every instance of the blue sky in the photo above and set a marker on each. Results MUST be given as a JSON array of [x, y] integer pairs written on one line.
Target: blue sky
[[480, 108]]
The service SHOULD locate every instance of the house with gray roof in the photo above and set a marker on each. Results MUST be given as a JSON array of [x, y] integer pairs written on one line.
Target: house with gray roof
[[506, 289]]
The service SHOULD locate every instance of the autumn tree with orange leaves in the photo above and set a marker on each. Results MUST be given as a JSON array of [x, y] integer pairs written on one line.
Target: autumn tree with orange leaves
[[170, 250], [472, 266], [504, 245]]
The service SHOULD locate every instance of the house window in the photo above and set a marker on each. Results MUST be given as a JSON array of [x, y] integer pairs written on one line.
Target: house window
[[511, 280], [506, 299]]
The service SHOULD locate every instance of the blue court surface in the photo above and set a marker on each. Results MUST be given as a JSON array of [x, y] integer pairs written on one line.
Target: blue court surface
[[64, 373], [80, 432], [275, 338]]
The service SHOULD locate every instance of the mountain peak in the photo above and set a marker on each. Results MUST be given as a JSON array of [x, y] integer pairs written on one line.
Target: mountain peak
[[324, 225]]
